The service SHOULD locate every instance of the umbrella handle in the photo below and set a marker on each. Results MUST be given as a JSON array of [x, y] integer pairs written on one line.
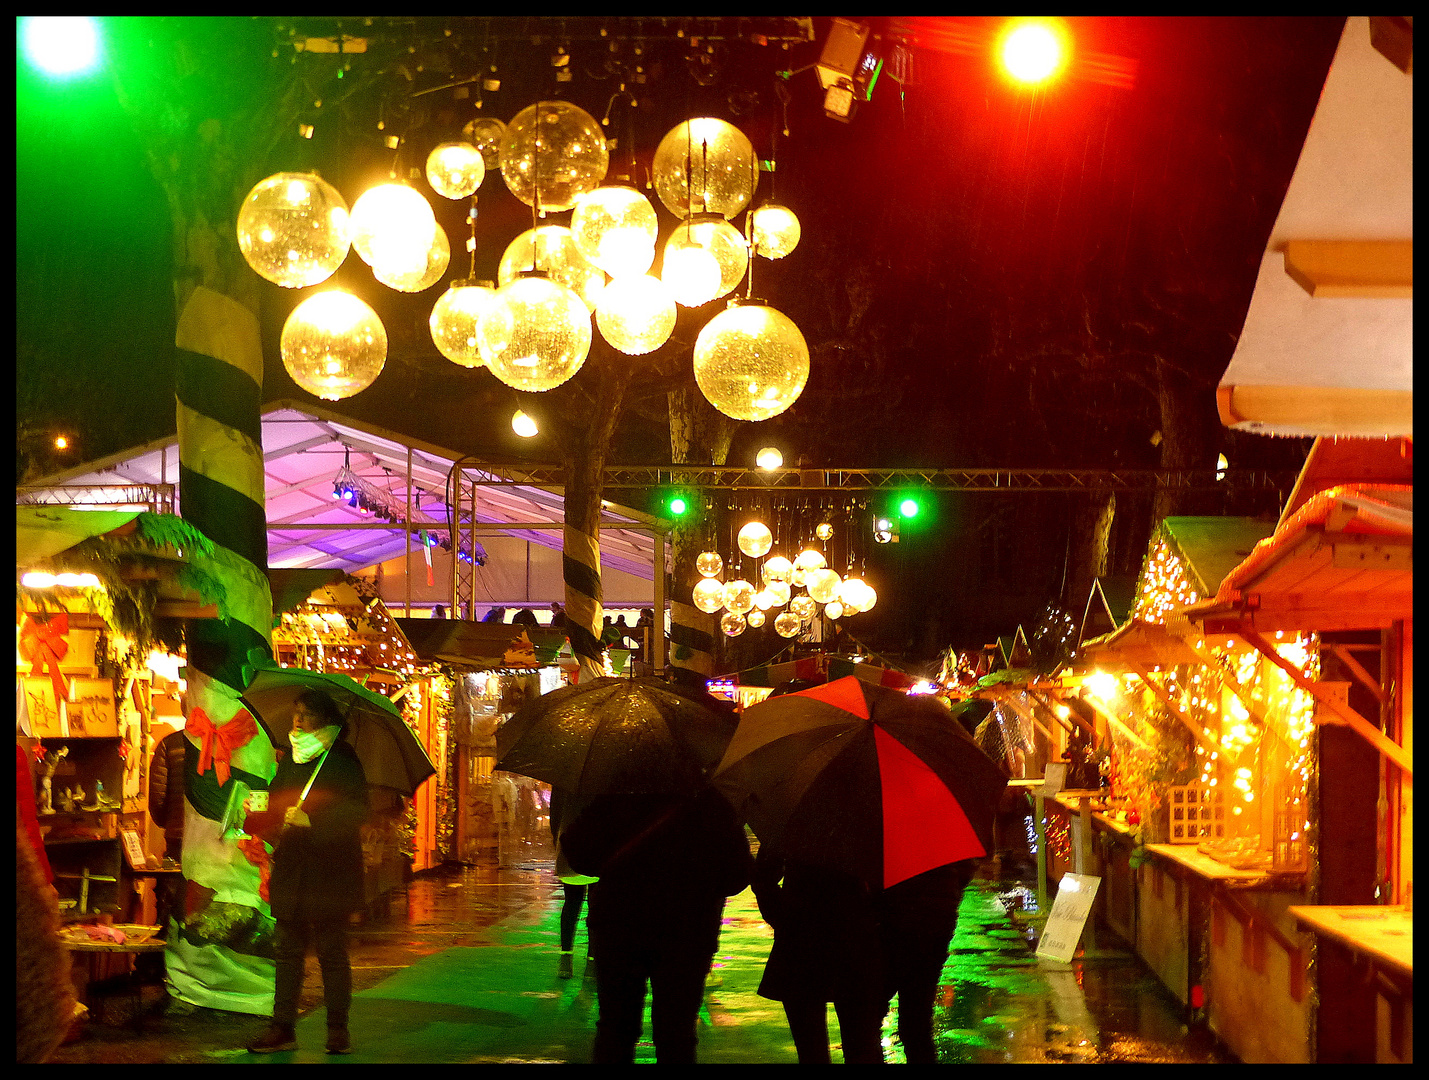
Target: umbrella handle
[[309, 785]]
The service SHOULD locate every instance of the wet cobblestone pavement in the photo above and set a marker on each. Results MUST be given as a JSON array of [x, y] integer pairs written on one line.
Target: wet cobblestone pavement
[[463, 968]]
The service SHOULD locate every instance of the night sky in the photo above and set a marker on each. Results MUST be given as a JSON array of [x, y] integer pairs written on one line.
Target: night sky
[[987, 276]]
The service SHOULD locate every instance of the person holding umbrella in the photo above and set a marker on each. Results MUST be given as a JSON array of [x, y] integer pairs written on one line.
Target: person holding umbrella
[[315, 807], [666, 847], [872, 807]]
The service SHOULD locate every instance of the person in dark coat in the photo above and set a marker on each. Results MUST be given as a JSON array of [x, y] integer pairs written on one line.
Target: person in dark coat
[[838, 940], [666, 863], [166, 791], [317, 879], [525, 617]]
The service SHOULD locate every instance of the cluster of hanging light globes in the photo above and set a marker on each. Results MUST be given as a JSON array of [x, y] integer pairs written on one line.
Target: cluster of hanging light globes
[[746, 605], [532, 328]]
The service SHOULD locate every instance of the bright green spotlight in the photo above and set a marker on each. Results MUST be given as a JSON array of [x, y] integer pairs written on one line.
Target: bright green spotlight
[[908, 508], [61, 45], [678, 506]]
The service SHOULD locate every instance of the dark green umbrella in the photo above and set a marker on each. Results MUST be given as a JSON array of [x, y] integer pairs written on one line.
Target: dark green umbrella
[[617, 736], [391, 754]]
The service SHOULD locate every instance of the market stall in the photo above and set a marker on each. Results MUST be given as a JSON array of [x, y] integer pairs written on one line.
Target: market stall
[[754, 684], [1338, 574], [492, 668]]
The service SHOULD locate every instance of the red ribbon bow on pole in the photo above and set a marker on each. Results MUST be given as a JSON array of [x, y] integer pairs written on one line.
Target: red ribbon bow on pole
[[44, 645], [217, 742], [256, 852]]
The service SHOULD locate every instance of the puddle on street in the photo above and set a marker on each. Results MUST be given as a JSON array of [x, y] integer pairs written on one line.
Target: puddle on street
[[998, 1004]]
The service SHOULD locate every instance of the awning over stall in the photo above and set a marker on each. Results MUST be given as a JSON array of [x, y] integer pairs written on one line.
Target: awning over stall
[[482, 646]]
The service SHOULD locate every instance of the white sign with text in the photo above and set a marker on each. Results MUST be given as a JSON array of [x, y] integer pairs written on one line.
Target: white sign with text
[[1069, 915]]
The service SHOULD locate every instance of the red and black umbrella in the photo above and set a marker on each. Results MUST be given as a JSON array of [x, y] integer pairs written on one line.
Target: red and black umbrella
[[863, 779]]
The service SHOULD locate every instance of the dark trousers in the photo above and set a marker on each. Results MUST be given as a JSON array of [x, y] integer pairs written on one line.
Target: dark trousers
[[674, 959], [571, 915], [329, 937], [916, 965], [860, 1030]]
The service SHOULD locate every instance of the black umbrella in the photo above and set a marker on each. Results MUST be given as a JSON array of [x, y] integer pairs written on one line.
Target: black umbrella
[[863, 779], [616, 736]]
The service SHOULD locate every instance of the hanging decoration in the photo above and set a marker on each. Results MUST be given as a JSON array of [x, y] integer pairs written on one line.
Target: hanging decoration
[[705, 165], [456, 317], [293, 229], [567, 144], [393, 228], [616, 228], [536, 334], [713, 234], [709, 564], [751, 362], [333, 345], [455, 169], [413, 281], [755, 539], [553, 250], [636, 314], [485, 133]]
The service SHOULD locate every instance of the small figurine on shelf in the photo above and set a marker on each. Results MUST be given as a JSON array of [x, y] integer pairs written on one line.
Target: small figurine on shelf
[[69, 798], [94, 804], [52, 759]]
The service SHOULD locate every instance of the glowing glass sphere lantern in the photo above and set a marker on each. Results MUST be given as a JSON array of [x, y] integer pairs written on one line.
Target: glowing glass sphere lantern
[[775, 231], [455, 170], [704, 165], [834, 610], [616, 228], [454, 320], [823, 585], [788, 624], [554, 150], [536, 334], [333, 345], [755, 618], [824, 531], [775, 569], [738, 596], [751, 362], [485, 133], [552, 249], [732, 623], [523, 425], [636, 314], [709, 564], [769, 458], [764, 600], [803, 607], [755, 539], [810, 559], [692, 273], [779, 592], [439, 257], [721, 239], [393, 228], [293, 229], [708, 595]]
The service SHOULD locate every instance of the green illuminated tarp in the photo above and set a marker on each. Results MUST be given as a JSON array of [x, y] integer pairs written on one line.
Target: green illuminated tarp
[[43, 531]]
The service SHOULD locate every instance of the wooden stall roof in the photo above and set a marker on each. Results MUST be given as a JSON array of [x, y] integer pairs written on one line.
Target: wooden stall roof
[[1137, 644], [1344, 560], [480, 645], [1211, 547]]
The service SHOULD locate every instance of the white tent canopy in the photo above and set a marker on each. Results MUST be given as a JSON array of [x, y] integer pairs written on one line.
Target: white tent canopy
[[1327, 346], [304, 447]]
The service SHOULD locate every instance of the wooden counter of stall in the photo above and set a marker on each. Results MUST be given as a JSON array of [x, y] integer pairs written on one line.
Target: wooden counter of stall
[[1223, 940]]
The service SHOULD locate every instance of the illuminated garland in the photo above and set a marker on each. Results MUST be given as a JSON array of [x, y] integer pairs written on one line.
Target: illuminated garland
[[1165, 584]]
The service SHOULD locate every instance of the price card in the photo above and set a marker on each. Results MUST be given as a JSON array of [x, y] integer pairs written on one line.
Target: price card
[[1069, 915], [1055, 779]]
